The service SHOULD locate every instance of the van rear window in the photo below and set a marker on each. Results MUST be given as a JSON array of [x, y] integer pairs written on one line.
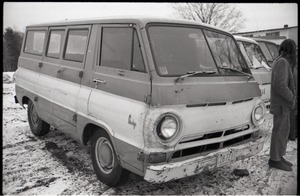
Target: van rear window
[[35, 40]]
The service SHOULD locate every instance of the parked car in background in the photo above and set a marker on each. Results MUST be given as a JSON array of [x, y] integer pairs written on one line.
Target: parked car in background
[[162, 98], [269, 48], [258, 64]]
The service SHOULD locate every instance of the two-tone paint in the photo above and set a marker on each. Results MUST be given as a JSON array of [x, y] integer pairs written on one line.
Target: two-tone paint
[[79, 98]]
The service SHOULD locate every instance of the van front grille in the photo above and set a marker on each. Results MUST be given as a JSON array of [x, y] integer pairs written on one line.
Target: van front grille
[[218, 134], [216, 145]]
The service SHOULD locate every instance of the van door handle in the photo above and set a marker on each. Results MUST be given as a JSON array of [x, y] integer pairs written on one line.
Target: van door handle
[[96, 81], [60, 70], [99, 81]]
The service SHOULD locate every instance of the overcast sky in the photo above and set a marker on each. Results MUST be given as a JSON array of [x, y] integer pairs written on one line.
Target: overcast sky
[[259, 16]]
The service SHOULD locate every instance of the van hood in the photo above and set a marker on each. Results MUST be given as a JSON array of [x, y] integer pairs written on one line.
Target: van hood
[[194, 91]]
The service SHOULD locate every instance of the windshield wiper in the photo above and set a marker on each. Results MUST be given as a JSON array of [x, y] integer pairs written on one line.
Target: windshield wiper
[[236, 70], [192, 73]]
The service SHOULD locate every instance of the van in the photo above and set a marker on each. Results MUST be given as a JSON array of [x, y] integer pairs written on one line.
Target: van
[[161, 98], [258, 64]]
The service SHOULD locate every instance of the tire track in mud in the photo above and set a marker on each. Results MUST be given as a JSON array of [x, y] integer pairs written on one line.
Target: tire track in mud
[[79, 168], [31, 139], [60, 154], [43, 182]]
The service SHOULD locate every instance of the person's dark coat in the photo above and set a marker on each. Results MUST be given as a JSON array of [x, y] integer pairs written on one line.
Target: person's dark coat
[[282, 87]]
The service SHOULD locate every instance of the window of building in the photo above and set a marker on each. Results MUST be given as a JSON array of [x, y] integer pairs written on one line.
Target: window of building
[[55, 43], [121, 49], [273, 34], [76, 45], [34, 43]]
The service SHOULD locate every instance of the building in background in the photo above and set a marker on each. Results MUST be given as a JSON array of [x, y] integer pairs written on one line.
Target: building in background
[[274, 35]]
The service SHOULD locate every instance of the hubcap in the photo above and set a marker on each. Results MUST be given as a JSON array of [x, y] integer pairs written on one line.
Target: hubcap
[[34, 116], [104, 155]]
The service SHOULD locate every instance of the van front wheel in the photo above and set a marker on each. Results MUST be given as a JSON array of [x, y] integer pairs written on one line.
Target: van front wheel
[[105, 161], [37, 126]]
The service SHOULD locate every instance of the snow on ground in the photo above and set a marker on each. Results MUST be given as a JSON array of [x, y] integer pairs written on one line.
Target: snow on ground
[[56, 164]]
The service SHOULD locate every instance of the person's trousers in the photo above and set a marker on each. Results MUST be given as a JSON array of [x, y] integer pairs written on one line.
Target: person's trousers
[[293, 126], [280, 136]]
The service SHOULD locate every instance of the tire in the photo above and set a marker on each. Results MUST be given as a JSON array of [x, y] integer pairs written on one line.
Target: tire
[[37, 126], [105, 161]]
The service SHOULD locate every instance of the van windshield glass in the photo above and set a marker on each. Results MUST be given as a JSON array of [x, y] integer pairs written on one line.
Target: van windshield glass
[[254, 55], [181, 50], [273, 50], [266, 51], [226, 52]]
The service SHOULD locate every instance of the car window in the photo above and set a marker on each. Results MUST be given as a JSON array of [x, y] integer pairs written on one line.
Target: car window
[[55, 43], [120, 49], [266, 52], [34, 43], [225, 52], [273, 50], [76, 44], [179, 50]]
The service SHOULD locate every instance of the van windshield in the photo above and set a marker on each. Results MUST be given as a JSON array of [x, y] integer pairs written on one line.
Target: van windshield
[[253, 55], [270, 50], [180, 50]]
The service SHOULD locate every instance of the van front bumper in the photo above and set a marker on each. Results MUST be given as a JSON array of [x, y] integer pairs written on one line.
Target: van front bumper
[[193, 166]]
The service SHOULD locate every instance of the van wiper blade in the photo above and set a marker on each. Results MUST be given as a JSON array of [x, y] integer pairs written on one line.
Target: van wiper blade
[[236, 70], [192, 73]]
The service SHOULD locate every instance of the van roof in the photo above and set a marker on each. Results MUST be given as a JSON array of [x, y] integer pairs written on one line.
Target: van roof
[[263, 40], [141, 20], [246, 39]]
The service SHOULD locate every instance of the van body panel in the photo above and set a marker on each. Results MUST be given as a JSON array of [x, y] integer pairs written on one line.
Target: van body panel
[[194, 123], [263, 78], [200, 90], [30, 63], [125, 117], [27, 80]]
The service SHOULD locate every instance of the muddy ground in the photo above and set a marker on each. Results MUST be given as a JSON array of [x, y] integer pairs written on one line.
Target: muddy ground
[[56, 164]]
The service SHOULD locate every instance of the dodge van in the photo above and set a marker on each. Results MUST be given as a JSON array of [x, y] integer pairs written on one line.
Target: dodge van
[[161, 98], [258, 64]]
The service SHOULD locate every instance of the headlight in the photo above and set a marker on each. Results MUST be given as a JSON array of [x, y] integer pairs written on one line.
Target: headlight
[[258, 114], [167, 127]]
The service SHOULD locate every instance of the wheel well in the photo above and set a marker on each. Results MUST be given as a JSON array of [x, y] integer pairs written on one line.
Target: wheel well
[[88, 131]]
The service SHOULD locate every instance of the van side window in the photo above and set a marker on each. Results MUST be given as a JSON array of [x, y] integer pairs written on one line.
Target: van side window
[[76, 45], [121, 49], [34, 43], [55, 43]]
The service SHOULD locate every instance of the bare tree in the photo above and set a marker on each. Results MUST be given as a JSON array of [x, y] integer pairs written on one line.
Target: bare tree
[[222, 15]]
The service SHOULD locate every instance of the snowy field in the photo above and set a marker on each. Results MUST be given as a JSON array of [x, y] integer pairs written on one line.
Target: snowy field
[[55, 164]]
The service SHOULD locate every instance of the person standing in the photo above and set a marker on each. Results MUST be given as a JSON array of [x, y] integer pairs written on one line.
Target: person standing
[[294, 129], [283, 101]]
